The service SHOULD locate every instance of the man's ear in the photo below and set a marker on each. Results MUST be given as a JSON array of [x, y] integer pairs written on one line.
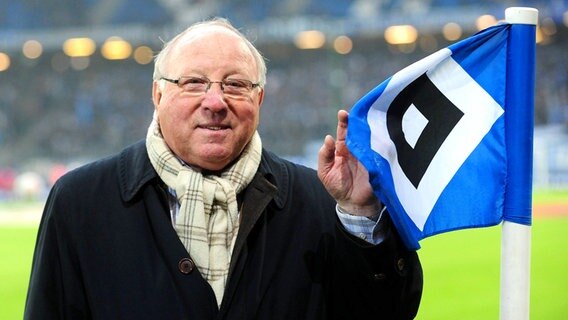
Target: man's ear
[[260, 97], [156, 93]]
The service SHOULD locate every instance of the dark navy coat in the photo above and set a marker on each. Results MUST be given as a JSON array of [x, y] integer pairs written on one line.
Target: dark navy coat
[[106, 249]]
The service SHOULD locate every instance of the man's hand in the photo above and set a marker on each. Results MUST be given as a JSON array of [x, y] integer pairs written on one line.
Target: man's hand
[[344, 177]]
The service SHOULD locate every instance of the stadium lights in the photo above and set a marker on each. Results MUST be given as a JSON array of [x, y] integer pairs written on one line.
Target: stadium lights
[[399, 35], [452, 31], [541, 37], [4, 61], [485, 21], [116, 48], [548, 26], [79, 47], [143, 55], [310, 39], [32, 49], [545, 30], [343, 44]]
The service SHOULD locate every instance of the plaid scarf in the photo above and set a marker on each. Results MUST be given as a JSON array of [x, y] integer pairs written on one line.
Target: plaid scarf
[[208, 222]]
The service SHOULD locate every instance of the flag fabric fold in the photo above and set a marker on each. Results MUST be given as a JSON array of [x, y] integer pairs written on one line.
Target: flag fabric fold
[[433, 138]]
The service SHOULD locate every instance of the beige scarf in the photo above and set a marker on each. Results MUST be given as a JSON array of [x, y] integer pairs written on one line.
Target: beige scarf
[[207, 223]]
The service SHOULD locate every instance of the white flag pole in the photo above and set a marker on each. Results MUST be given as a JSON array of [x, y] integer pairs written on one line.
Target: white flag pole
[[516, 238], [515, 271]]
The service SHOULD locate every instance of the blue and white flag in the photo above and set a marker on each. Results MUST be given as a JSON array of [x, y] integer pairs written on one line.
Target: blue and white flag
[[433, 138]]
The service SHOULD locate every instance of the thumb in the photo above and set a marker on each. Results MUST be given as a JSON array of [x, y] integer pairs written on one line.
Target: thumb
[[326, 156]]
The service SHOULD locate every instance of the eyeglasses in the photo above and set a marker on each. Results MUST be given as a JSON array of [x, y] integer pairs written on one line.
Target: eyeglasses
[[236, 88]]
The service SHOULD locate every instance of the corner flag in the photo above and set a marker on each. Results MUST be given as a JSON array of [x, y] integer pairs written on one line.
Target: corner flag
[[438, 137]]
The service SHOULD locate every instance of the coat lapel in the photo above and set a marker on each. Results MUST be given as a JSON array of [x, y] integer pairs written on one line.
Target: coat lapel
[[140, 182], [257, 196]]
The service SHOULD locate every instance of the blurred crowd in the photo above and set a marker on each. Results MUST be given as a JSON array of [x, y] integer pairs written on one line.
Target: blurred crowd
[[38, 14], [53, 119]]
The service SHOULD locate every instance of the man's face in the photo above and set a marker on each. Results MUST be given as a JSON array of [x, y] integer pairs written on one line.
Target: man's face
[[209, 130]]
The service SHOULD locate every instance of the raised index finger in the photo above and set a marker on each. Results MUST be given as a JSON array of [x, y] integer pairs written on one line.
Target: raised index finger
[[340, 147], [342, 117]]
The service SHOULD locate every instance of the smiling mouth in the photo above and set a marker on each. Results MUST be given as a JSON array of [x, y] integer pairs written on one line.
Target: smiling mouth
[[214, 128]]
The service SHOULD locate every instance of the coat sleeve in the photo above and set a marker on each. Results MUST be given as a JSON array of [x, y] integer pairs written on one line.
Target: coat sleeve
[[360, 280], [383, 280], [55, 289]]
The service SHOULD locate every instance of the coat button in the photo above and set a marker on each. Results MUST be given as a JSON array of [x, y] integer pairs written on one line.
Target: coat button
[[186, 265], [379, 276], [400, 263]]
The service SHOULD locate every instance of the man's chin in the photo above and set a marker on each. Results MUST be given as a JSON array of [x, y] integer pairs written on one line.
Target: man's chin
[[214, 158]]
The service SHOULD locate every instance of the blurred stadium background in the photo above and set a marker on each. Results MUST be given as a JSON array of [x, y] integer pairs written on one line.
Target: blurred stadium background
[[75, 75]]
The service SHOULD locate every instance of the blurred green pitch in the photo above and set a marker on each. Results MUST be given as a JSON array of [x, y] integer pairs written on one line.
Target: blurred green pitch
[[461, 271]]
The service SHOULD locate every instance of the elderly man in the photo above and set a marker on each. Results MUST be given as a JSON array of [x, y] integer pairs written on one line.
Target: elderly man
[[200, 222]]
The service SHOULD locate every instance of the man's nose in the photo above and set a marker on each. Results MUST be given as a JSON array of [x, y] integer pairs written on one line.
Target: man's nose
[[214, 98]]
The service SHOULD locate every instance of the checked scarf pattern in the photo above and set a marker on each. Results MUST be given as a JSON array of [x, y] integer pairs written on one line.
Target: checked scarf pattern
[[207, 222]]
